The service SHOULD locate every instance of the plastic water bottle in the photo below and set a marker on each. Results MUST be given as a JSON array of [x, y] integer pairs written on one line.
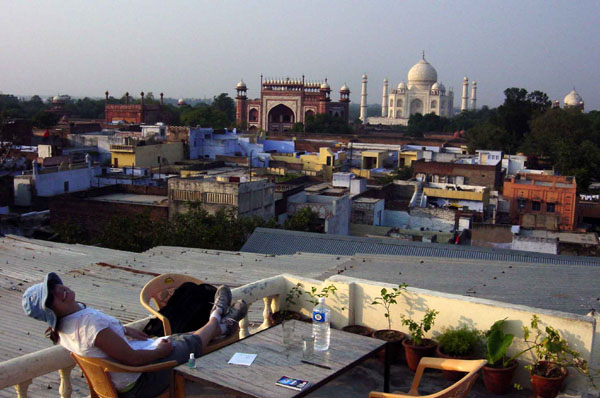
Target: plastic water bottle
[[320, 323], [192, 361]]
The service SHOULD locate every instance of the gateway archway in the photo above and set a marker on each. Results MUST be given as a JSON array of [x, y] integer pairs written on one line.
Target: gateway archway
[[281, 118]]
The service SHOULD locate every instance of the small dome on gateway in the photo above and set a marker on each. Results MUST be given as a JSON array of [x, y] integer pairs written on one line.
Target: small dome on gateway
[[435, 86], [325, 86], [180, 101], [344, 88], [241, 85]]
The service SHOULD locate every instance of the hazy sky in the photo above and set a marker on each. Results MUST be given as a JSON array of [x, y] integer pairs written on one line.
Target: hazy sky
[[202, 48]]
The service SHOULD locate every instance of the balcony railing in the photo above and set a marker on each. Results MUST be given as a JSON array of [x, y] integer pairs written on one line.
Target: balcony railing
[[122, 148], [352, 304]]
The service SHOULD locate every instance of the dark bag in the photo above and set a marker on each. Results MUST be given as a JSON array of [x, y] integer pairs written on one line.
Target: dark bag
[[187, 310]]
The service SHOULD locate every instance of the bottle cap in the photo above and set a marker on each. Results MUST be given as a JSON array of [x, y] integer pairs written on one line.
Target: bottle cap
[[321, 300], [192, 355]]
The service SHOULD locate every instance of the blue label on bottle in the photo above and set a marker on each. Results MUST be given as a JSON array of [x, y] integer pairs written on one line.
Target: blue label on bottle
[[318, 316]]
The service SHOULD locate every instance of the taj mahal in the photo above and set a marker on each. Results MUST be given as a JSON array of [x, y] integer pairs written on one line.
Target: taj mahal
[[422, 94]]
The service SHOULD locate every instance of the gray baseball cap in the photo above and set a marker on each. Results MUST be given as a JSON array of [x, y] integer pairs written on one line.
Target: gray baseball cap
[[34, 300]]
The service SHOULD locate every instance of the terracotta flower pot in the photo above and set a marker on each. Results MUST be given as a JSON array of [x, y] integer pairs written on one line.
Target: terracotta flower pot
[[414, 353], [394, 339], [358, 329], [498, 381], [547, 387], [452, 375]]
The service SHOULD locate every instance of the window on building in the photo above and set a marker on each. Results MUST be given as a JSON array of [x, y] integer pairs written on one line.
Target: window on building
[[66, 186], [328, 160], [550, 207], [536, 206], [391, 102], [521, 203]]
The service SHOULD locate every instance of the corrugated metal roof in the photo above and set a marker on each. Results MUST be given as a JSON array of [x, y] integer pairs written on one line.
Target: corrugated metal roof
[[278, 242]]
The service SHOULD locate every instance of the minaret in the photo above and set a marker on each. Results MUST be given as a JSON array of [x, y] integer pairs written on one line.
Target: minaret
[[363, 100], [384, 99], [465, 95], [474, 96]]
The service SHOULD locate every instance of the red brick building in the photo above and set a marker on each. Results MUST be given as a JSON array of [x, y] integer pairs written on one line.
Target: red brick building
[[285, 102], [141, 113], [542, 201]]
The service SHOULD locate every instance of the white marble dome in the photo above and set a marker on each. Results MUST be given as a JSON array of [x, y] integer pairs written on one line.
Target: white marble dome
[[573, 99], [180, 101], [422, 73], [435, 86], [402, 85]]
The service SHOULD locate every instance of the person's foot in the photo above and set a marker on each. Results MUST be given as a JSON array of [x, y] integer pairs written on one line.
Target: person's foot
[[230, 322], [222, 300], [237, 311]]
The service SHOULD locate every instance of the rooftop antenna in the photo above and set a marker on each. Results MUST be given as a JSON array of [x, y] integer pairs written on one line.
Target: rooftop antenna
[[423, 55]]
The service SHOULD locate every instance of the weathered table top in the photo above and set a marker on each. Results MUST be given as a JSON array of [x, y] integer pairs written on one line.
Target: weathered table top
[[275, 360]]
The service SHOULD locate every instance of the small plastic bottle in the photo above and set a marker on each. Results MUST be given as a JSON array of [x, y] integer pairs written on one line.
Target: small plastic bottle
[[192, 361], [321, 323]]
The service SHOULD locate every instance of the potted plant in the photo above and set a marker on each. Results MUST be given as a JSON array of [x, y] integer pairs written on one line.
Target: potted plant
[[461, 343], [499, 371], [290, 299], [553, 357], [393, 337], [417, 346]]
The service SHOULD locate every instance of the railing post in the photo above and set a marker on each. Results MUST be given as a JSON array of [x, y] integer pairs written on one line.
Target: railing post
[[22, 388], [65, 388], [267, 313], [244, 323]]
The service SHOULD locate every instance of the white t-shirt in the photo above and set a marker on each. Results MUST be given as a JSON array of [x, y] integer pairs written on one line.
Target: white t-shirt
[[78, 333]]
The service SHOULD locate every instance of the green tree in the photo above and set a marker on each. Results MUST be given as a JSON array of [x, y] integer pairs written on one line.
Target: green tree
[[489, 136], [44, 119], [305, 220], [133, 233], [225, 104]]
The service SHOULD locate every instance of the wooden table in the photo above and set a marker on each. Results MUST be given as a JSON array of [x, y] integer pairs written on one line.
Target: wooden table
[[275, 360]]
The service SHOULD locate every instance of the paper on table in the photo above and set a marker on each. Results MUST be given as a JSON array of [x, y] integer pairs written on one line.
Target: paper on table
[[240, 358]]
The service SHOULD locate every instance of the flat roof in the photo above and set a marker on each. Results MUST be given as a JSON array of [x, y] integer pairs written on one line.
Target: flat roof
[[131, 198]]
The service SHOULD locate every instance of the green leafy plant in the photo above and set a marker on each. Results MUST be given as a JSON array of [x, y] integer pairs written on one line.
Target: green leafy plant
[[417, 330], [497, 344], [387, 298], [315, 294], [290, 299], [548, 345], [461, 342]]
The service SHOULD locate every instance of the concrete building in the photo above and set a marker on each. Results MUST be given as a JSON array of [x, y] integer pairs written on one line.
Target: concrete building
[[334, 210], [146, 156], [45, 182], [247, 198], [542, 201], [459, 173]]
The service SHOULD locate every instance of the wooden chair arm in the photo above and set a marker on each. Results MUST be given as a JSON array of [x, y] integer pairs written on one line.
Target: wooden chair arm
[[112, 366], [460, 365], [374, 394]]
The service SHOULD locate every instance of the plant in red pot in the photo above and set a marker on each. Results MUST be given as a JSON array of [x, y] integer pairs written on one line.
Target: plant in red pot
[[498, 373], [417, 346], [392, 336], [460, 343], [553, 357]]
